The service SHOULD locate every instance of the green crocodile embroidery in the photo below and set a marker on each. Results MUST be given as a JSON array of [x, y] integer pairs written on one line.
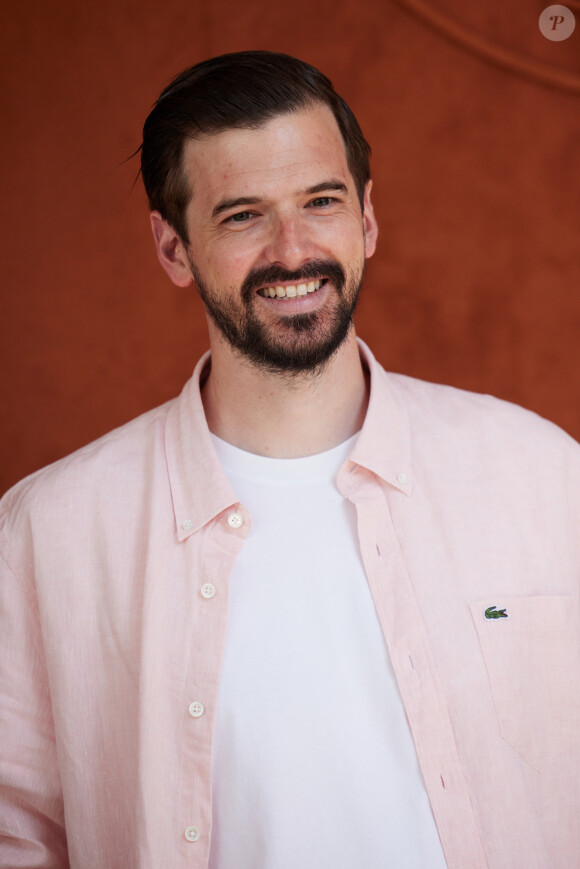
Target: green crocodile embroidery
[[492, 612]]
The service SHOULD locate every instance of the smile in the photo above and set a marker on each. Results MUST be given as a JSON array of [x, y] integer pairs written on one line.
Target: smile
[[291, 291]]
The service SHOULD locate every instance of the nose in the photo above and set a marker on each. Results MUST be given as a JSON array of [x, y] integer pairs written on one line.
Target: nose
[[290, 243]]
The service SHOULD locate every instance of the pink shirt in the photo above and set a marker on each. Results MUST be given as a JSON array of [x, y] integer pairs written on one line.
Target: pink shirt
[[113, 611]]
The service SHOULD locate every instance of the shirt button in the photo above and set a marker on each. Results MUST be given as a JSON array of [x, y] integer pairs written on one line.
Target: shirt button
[[235, 520], [196, 709], [208, 590], [187, 525], [402, 478], [192, 834]]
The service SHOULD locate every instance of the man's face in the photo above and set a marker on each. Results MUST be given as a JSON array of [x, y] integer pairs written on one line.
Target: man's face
[[277, 239]]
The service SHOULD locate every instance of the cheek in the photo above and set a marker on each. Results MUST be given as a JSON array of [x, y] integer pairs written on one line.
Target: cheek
[[227, 271], [234, 261], [239, 262], [344, 235]]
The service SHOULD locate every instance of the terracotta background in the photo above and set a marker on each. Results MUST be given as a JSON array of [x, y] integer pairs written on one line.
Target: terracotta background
[[475, 126]]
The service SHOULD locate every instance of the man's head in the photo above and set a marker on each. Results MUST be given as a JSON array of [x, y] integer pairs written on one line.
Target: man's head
[[234, 91], [258, 182]]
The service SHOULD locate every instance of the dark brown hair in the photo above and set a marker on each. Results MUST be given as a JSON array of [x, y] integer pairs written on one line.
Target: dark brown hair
[[244, 89]]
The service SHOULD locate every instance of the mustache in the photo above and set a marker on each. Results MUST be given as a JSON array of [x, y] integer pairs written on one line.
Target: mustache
[[269, 276]]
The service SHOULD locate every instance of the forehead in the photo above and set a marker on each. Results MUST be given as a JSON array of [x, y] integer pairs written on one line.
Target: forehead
[[294, 150]]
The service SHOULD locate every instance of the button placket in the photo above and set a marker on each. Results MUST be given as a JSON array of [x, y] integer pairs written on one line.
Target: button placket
[[221, 544]]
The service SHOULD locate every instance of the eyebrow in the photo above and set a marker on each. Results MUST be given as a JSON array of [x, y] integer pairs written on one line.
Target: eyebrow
[[227, 204], [326, 185]]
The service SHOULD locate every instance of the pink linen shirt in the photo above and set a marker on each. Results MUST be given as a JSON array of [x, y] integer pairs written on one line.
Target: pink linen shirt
[[113, 615]]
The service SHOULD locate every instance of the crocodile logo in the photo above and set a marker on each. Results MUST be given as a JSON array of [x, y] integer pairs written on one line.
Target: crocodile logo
[[492, 612]]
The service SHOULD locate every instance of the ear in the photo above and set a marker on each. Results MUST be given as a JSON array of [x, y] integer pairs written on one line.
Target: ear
[[370, 225], [171, 251]]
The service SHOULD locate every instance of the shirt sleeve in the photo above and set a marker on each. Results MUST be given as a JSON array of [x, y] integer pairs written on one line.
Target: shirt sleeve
[[32, 830]]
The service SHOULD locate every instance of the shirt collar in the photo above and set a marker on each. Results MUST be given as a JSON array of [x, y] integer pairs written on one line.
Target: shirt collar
[[384, 443], [199, 487]]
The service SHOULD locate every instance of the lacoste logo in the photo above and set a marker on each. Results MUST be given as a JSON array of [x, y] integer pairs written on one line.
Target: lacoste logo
[[492, 612]]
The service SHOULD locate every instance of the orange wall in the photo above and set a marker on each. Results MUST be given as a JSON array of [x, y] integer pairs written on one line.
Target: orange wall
[[475, 126]]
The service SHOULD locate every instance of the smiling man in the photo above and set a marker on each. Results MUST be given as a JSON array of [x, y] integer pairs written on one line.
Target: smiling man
[[308, 614]]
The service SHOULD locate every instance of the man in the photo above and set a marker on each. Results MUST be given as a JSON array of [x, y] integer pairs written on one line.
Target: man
[[308, 613]]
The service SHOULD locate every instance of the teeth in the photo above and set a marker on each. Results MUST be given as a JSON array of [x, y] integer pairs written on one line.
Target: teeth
[[291, 291]]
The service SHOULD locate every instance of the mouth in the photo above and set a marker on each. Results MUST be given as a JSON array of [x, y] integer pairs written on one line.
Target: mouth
[[291, 291]]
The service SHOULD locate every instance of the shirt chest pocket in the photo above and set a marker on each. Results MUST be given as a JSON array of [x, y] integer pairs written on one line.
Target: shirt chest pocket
[[531, 650]]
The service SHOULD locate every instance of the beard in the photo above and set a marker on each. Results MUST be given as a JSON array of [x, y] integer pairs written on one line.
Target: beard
[[295, 343]]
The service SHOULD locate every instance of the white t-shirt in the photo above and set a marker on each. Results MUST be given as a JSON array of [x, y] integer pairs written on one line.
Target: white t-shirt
[[313, 761]]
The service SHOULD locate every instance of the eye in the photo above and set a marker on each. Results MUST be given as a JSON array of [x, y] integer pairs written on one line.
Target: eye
[[239, 217], [321, 202]]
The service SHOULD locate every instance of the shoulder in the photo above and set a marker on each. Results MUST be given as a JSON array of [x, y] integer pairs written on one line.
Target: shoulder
[[100, 466], [436, 412], [451, 408], [465, 431]]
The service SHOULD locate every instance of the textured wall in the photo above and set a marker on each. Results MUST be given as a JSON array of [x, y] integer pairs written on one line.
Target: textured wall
[[473, 117]]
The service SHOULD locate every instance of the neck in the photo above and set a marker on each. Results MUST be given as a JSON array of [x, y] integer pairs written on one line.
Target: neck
[[282, 417]]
